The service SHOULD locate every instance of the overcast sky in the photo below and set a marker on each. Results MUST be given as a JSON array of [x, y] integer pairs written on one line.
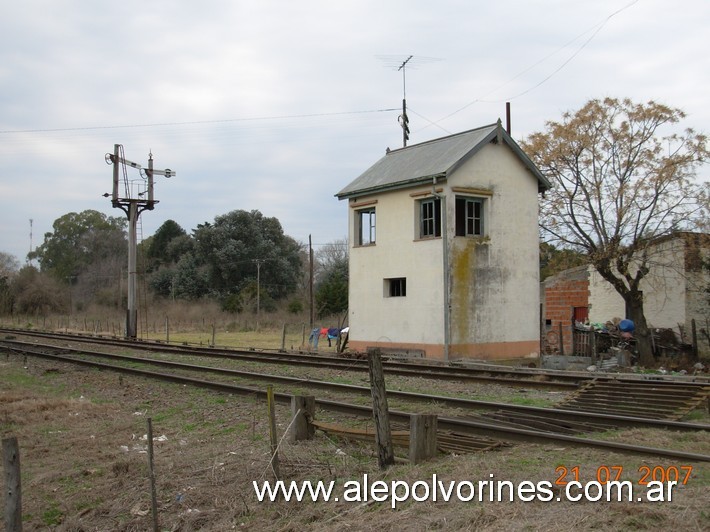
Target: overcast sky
[[277, 105]]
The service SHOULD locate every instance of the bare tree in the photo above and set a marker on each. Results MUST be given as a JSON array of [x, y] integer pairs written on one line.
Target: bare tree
[[332, 254], [622, 178], [9, 265]]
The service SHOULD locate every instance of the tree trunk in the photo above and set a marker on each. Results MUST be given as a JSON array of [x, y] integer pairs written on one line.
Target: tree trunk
[[634, 305]]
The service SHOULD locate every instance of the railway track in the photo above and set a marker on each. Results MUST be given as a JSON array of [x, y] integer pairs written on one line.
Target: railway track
[[565, 418], [522, 423], [526, 377]]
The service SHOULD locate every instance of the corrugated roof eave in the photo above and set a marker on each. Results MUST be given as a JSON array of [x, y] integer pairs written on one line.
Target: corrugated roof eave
[[344, 194]]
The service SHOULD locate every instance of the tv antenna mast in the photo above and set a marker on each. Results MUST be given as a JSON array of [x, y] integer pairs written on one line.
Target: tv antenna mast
[[403, 118], [137, 197], [400, 63]]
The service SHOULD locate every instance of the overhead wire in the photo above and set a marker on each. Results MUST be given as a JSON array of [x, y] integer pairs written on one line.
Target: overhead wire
[[597, 28], [195, 122]]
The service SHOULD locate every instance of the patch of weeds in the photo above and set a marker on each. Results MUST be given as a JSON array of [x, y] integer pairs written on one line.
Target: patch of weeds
[[699, 414], [644, 520], [358, 454], [69, 484], [241, 427], [89, 504], [53, 516], [610, 434], [168, 413], [20, 379], [700, 475], [530, 401], [54, 431], [226, 430]]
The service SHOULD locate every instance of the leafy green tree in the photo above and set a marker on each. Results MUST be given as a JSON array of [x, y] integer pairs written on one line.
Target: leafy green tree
[[241, 246], [79, 240], [162, 249], [184, 280], [331, 290], [191, 279], [621, 179]]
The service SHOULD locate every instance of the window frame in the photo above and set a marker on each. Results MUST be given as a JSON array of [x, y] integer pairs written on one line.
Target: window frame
[[395, 287], [430, 224], [369, 215], [465, 220]]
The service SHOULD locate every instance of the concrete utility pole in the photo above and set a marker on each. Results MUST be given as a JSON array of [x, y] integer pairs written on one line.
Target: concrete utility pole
[[133, 207]]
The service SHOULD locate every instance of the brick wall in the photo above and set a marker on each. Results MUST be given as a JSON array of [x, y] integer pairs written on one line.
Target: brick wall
[[562, 293]]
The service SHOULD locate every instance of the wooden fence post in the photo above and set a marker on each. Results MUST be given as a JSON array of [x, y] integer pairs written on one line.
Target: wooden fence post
[[13, 492], [422, 437], [303, 409], [271, 407], [151, 472], [380, 411], [283, 339]]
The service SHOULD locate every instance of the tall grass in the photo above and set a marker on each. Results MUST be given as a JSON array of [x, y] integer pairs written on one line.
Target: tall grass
[[200, 323]]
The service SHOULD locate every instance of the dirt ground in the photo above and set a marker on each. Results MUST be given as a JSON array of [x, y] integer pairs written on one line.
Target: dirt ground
[[85, 467]]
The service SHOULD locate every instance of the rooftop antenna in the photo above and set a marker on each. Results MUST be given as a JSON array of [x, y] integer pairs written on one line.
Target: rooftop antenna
[[403, 118], [400, 63]]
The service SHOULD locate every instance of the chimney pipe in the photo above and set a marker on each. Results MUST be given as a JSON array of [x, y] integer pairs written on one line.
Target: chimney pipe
[[507, 117]]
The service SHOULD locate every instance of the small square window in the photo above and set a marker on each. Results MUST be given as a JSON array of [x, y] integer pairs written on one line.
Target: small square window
[[396, 287]]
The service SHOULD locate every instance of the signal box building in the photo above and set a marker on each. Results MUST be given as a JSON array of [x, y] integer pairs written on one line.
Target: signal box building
[[444, 249]]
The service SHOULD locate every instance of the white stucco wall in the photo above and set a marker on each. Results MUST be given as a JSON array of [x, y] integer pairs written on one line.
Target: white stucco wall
[[664, 288], [501, 300], [416, 318], [494, 297], [605, 303], [667, 290]]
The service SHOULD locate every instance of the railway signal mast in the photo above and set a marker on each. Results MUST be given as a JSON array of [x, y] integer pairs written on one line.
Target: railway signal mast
[[137, 197]]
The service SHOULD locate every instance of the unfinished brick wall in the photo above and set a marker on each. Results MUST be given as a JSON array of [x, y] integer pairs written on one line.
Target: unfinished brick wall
[[562, 293]]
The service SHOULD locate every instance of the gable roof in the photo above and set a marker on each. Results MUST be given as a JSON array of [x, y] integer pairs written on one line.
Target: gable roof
[[419, 163]]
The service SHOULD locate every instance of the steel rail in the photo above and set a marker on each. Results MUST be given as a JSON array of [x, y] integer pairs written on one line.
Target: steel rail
[[560, 414], [476, 372], [393, 368], [446, 423]]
